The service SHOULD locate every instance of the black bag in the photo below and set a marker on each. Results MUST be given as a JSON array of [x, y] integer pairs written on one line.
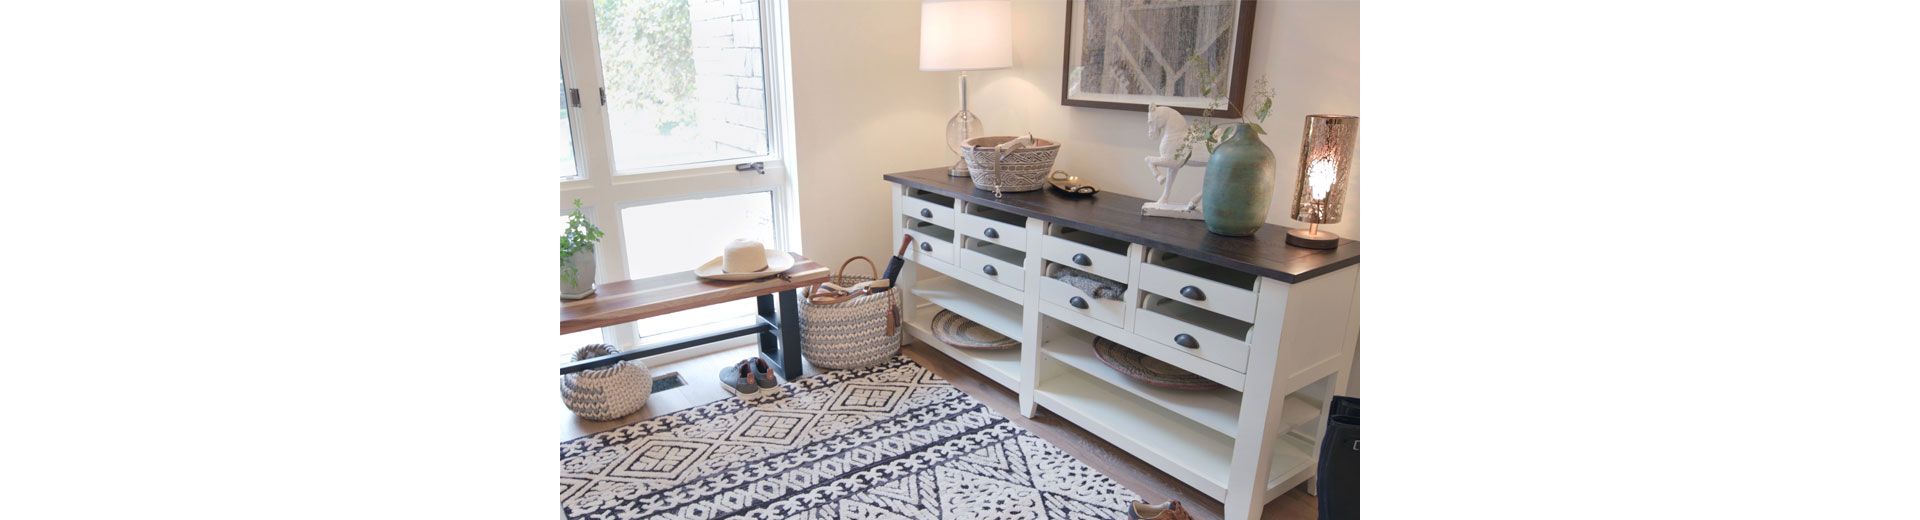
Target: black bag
[[1339, 471]]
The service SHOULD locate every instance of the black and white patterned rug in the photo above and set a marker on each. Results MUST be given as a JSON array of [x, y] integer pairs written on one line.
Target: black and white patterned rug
[[890, 441]]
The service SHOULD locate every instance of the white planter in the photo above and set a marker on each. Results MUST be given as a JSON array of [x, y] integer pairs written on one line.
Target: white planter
[[583, 284]]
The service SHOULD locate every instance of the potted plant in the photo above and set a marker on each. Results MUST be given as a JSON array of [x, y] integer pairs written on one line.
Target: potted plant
[[576, 255]]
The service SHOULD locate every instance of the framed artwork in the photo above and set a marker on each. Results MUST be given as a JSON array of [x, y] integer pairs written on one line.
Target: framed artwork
[[1127, 54]]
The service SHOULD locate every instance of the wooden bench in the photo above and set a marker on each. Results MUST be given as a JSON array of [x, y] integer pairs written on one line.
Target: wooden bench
[[631, 300]]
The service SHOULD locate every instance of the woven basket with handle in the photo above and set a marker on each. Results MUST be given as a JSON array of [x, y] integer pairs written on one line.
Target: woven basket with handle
[[606, 393], [1021, 169], [859, 331]]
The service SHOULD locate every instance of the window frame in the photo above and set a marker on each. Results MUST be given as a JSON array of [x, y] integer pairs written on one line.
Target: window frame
[[575, 139], [606, 192], [580, 47]]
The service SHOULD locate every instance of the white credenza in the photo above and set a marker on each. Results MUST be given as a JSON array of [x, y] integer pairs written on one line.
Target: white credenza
[[1275, 325]]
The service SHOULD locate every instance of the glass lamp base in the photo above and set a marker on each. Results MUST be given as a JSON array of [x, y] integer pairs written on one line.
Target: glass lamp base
[[964, 125], [1312, 239]]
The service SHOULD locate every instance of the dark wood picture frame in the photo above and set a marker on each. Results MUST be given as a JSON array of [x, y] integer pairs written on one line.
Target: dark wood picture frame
[[1236, 82]]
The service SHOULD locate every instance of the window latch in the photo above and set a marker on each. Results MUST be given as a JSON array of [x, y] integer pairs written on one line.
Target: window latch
[[573, 97], [603, 96], [755, 167]]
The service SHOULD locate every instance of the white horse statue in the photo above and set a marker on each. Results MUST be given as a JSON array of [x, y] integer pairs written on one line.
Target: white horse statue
[[1170, 128]]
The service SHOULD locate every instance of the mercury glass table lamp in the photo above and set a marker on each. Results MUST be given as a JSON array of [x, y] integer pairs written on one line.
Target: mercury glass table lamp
[[964, 35], [1320, 190]]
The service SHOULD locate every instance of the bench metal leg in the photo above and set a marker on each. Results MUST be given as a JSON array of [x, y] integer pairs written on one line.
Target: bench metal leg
[[781, 347], [769, 339], [789, 335]]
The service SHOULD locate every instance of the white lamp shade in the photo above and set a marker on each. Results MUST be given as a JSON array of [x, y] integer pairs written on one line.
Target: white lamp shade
[[966, 34]]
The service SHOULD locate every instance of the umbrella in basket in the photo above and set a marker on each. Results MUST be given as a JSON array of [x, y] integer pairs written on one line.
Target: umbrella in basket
[[899, 260], [828, 293]]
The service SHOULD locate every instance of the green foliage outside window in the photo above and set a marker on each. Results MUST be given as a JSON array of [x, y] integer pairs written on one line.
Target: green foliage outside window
[[646, 56]]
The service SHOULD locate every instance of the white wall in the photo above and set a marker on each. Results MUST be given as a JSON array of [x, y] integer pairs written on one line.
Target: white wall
[[862, 109], [1308, 50]]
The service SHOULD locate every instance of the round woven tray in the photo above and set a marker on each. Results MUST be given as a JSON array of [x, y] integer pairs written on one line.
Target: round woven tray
[[958, 331], [1147, 369]]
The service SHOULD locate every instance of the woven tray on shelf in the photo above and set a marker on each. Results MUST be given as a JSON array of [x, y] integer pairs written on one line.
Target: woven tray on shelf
[[960, 332], [1146, 369]]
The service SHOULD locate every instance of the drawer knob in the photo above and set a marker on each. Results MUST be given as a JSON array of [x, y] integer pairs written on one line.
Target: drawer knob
[[992, 234], [989, 270], [1186, 341], [1193, 293], [1080, 303], [1081, 258], [924, 212], [926, 247]]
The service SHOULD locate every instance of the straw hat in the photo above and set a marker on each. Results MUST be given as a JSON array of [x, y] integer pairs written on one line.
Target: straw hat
[[745, 260]]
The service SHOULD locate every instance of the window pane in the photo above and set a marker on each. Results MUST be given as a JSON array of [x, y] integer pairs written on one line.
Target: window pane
[[670, 237], [684, 80], [567, 168]]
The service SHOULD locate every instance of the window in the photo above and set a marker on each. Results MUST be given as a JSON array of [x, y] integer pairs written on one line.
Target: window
[[661, 100], [684, 81], [722, 219], [569, 167]]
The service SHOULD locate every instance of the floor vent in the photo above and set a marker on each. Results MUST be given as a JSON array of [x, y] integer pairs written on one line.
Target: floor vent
[[667, 382]]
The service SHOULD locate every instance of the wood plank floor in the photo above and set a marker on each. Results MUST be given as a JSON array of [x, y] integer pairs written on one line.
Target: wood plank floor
[[703, 386]]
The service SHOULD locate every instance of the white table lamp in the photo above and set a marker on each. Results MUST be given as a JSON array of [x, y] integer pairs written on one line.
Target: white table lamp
[[963, 35]]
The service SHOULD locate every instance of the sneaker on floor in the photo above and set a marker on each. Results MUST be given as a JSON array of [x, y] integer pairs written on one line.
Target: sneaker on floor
[[763, 374], [1169, 510], [738, 378]]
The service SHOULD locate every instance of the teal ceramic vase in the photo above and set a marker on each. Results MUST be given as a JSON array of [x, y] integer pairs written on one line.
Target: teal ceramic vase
[[1239, 183]]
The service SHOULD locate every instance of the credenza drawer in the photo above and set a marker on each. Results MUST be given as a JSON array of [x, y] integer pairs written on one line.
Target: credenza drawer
[[1006, 271], [930, 211], [990, 230], [1113, 312], [931, 242], [1088, 252], [1197, 291], [1193, 331]]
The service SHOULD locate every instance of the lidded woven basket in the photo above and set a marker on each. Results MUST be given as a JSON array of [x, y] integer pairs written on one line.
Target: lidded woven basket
[[1022, 169], [606, 393]]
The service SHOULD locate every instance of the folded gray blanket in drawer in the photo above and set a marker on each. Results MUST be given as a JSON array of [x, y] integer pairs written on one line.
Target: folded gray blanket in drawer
[[1094, 286]]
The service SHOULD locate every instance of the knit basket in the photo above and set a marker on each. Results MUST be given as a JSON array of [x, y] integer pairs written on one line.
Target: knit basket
[[607, 393], [1023, 169], [857, 332]]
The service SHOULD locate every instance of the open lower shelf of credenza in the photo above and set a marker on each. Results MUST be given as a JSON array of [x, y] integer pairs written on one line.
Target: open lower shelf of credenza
[[992, 312], [1195, 454], [1002, 366], [1217, 409]]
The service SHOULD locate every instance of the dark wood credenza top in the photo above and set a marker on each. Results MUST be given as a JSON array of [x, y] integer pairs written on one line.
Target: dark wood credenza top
[[1117, 216]]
